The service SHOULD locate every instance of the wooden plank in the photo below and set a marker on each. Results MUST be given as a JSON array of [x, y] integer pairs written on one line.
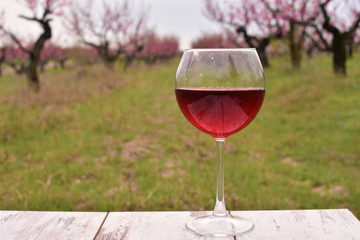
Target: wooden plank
[[148, 225], [298, 224], [30, 225], [303, 224]]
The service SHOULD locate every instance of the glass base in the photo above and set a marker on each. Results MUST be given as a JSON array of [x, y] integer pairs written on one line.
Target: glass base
[[219, 226]]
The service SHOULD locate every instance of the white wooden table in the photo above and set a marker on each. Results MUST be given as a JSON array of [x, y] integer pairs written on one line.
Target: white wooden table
[[339, 224]]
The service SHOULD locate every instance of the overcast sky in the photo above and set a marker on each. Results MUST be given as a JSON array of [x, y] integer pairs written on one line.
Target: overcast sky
[[182, 18]]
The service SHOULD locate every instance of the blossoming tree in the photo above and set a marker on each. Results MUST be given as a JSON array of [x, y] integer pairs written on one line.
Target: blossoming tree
[[109, 29], [42, 13]]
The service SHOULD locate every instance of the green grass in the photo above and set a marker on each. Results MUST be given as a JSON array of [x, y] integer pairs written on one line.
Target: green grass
[[98, 141]]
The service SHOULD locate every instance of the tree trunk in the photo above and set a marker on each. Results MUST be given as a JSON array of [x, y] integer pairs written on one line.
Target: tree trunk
[[2, 59], [128, 61], [295, 45], [62, 64], [261, 50], [295, 52], [339, 41], [349, 50], [339, 53], [260, 45], [42, 66], [34, 57], [107, 59], [32, 76]]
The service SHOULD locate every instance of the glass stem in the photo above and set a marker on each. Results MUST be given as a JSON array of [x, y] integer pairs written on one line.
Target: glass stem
[[220, 209]]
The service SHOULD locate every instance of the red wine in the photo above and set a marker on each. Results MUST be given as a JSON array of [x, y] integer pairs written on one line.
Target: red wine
[[220, 112]]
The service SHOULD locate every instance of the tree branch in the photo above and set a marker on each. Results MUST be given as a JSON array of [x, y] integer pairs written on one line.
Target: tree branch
[[29, 18], [249, 39], [317, 30], [17, 41], [316, 43], [329, 27], [354, 26]]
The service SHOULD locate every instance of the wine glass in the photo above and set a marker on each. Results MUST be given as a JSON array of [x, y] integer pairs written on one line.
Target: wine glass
[[220, 91]]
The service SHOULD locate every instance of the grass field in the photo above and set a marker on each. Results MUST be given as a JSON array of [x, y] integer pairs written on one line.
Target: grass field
[[97, 141]]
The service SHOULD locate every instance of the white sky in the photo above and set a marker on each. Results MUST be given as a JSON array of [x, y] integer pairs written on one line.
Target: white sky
[[181, 18]]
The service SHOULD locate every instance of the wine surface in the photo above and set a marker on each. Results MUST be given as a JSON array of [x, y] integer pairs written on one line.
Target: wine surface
[[220, 112]]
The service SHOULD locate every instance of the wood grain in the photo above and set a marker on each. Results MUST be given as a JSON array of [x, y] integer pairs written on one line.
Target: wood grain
[[336, 224], [148, 225], [299, 224], [20, 225]]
